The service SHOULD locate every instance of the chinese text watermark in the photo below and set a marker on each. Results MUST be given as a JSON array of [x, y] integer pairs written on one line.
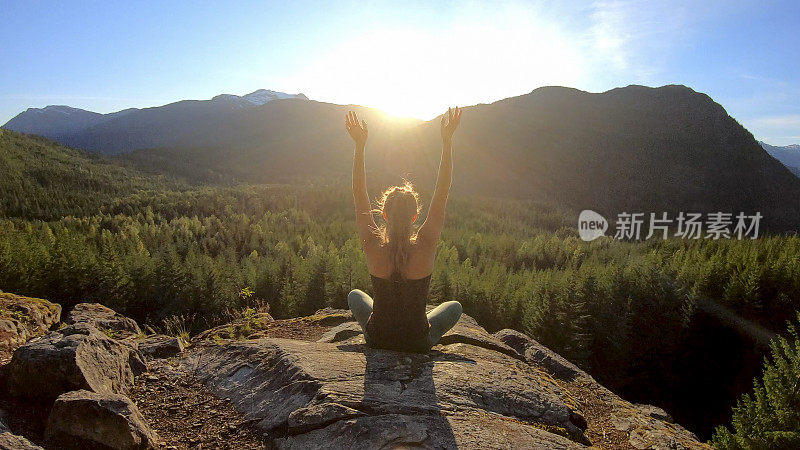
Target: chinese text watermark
[[629, 226]]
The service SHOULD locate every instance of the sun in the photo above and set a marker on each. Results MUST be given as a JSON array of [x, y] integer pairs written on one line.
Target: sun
[[414, 72]]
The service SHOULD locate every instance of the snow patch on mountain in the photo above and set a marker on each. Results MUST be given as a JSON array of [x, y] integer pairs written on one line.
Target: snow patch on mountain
[[256, 98], [263, 96]]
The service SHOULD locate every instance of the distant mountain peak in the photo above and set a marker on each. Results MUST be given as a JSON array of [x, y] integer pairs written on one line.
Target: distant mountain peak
[[258, 97], [791, 147], [789, 155], [63, 109]]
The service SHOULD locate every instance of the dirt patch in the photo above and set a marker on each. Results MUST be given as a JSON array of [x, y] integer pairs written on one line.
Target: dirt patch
[[596, 410], [186, 416], [301, 329]]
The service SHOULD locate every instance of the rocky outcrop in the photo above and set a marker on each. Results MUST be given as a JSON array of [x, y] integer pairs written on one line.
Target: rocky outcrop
[[105, 319], [467, 331], [311, 383], [75, 357], [84, 419], [24, 318], [78, 374], [632, 426]]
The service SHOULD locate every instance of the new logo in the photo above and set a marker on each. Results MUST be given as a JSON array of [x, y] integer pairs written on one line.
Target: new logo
[[591, 225]]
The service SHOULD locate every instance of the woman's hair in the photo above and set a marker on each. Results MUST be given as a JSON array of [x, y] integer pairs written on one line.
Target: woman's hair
[[399, 206]]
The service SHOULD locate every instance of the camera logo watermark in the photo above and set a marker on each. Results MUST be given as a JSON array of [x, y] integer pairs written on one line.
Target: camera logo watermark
[[628, 226]]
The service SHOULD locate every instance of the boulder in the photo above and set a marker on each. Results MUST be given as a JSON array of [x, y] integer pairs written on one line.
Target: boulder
[[104, 319], [322, 395], [10, 441], [84, 419], [24, 318], [160, 346], [342, 332], [467, 331], [538, 354], [514, 339], [75, 357], [330, 317], [329, 311]]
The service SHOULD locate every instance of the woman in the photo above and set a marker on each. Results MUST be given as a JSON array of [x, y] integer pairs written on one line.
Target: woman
[[400, 261]]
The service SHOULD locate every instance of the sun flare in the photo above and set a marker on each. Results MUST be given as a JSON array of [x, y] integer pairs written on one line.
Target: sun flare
[[416, 73]]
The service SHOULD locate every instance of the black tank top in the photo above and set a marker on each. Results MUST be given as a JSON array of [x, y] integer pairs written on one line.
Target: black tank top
[[398, 320]]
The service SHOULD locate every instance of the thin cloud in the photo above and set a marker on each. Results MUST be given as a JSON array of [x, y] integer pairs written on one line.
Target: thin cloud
[[781, 121], [637, 37], [638, 41]]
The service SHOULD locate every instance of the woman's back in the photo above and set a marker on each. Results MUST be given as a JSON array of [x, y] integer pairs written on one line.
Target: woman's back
[[399, 260], [419, 262]]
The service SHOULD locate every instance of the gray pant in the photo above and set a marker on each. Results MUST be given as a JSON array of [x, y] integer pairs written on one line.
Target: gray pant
[[442, 318]]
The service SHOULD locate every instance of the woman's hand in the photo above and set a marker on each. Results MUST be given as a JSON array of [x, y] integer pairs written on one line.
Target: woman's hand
[[450, 122], [358, 132]]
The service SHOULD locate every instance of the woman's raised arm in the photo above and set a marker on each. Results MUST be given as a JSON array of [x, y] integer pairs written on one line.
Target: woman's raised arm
[[434, 222], [364, 220]]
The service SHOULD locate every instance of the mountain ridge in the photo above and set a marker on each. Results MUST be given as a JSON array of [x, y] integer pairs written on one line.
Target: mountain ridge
[[634, 148], [62, 122]]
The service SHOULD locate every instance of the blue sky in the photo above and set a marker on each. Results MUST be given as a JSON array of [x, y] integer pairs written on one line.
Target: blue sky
[[408, 58]]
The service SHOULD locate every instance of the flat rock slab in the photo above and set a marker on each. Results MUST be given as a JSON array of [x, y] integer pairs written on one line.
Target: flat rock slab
[[84, 419], [75, 357], [311, 394], [103, 318], [467, 431]]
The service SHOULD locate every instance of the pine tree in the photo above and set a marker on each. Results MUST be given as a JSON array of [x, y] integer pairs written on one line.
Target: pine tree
[[770, 417]]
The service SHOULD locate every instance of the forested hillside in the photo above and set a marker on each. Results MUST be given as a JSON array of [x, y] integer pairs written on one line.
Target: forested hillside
[[42, 180]]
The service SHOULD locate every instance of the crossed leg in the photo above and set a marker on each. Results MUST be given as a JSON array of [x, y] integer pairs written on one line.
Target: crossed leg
[[361, 306], [442, 318]]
